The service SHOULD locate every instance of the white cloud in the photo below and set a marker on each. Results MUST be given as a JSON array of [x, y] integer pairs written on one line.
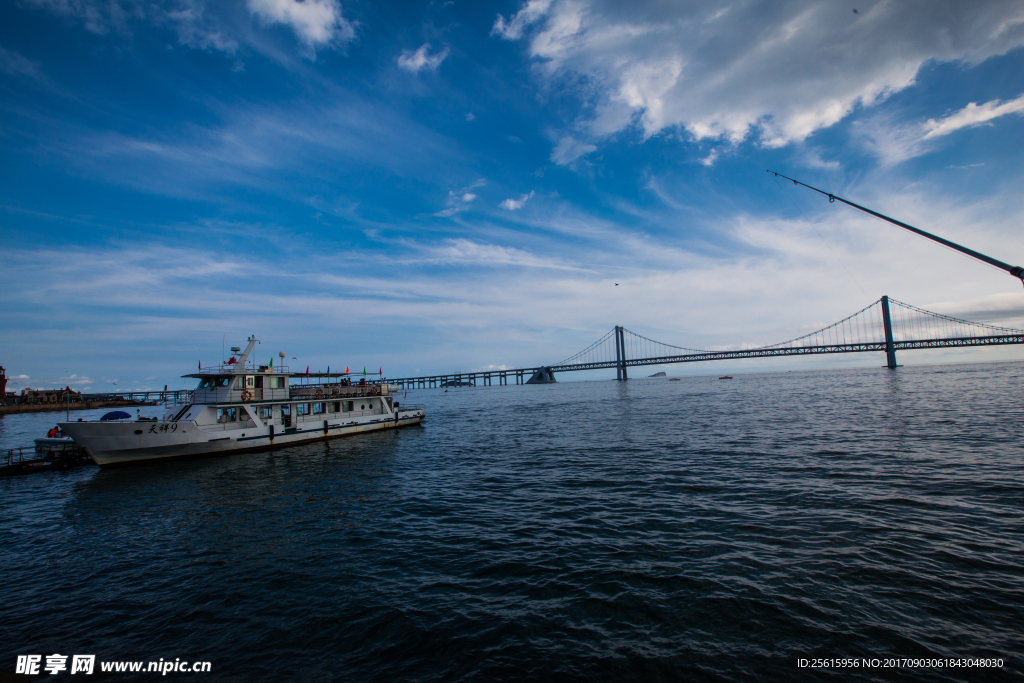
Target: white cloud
[[315, 22], [470, 116], [459, 200], [514, 204], [421, 59], [569, 150], [893, 142], [514, 27], [779, 70], [972, 115]]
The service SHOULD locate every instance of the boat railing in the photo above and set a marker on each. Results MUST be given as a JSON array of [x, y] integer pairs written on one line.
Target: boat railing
[[250, 369], [337, 391]]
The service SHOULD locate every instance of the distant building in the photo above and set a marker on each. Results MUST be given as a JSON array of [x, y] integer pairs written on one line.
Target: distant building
[[38, 396]]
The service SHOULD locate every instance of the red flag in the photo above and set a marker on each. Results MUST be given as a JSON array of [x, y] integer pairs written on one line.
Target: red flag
[[200, 365], [381, 371], [346, 369], [307, 369]]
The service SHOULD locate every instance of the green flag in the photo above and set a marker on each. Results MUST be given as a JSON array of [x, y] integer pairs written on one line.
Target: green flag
[[271, 362], [364, 371]]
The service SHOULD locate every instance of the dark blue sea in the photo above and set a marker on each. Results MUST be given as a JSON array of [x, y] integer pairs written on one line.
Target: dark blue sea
[[650, 530]]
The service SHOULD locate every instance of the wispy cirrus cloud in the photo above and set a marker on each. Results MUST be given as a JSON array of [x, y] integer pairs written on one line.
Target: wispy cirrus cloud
[[461, 199], [569, 149], [894, 141], [210, 26], [12, 62]]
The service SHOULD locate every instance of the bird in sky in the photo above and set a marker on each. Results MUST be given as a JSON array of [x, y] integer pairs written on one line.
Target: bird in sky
[[616, 284]]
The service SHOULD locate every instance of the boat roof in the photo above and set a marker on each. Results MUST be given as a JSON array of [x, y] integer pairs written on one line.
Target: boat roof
[[239, 368]]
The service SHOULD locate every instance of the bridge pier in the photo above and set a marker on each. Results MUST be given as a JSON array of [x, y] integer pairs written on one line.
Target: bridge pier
[[620, 354], [890, 348]]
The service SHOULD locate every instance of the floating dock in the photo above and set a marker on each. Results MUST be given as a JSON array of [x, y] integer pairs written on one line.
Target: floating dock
[[29, 459]]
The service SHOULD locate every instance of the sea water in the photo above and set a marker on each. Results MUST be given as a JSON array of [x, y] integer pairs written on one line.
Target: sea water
[[644, 530]]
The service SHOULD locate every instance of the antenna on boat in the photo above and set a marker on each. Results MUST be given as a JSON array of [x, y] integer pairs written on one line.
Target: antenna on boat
[[1016, 271]]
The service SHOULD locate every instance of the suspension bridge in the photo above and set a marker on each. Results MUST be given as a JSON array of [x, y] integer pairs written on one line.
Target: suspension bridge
[[886, 326]]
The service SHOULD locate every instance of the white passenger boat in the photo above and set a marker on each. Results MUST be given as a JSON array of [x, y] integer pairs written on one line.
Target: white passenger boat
[[243, 407]]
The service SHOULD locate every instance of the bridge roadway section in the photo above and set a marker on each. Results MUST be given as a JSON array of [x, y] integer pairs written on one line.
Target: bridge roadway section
[[522, 375]]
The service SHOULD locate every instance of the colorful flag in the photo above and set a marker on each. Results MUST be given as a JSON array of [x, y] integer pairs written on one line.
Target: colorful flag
[[271, 361], [307, 369], [364, 371], [346, 369], [381, 371], [200, 365]]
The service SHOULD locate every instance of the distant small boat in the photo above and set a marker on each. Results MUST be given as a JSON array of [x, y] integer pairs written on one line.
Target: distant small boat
[[674, 379], [725, 377]]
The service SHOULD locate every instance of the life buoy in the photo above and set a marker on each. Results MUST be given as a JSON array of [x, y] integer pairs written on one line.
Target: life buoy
[[319, 393], [246, 396], [375, 391]]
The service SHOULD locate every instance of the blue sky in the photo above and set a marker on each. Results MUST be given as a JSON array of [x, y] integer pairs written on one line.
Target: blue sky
[[428, 187]]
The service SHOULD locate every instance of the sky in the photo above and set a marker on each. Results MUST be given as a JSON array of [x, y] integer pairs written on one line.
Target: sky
[[457, 186]]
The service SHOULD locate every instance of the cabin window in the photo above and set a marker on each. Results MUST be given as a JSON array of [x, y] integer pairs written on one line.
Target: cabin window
[[214, 382], [278, 382], [227, 415], [267, 413], [351, 406], [318, 408], [362, 407], [240, 383], [250, 382], [337, 406], [302, 409]]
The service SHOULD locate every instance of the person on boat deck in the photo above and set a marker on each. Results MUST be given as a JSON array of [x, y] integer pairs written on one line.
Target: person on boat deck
[[52, 434]]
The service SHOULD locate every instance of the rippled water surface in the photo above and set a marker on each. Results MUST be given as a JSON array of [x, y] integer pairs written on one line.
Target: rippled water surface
[[648, 530]]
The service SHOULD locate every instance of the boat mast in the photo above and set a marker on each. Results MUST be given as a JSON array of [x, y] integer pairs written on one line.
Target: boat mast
[[1016, 271]]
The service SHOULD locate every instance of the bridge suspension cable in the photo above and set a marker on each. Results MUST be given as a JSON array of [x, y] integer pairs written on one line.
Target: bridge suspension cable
[[639, 346], [863, 327], [910, 323], [594, 353]]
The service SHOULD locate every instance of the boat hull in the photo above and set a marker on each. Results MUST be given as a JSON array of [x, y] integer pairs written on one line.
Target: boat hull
[[129, 443]]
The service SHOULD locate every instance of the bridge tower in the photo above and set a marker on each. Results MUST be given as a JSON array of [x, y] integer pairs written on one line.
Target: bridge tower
[[890, 348], [620, 354]]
